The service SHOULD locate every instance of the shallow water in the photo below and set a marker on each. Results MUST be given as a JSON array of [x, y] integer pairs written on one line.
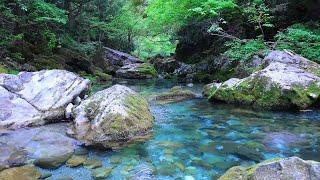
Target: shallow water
[[201, 140]]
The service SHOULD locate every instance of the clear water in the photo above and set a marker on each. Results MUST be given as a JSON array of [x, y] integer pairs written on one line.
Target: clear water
[[201, 140]]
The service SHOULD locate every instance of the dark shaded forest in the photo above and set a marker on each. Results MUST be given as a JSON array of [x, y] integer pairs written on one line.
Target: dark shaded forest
[[70, 34]]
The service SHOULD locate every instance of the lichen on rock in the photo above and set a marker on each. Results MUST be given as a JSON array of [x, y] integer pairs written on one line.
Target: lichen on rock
[[112, 117]]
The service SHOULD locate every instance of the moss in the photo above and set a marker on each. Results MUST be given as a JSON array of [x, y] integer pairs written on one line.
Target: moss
[[175, 94], [304, 97], [202, 77], [44, 62], [3, 70], [91, 77], [138, 111], [12, 71], [245, 173], [224, 75], [147, 68], [136, 123], [101, 76]]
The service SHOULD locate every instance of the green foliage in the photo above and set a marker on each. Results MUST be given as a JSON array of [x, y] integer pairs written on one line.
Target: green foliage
[[302, 39], [259, 15], [239, 51], [146, 47], [51, 38], [43, 12], [87, 48], [211, 8], [147, 68]]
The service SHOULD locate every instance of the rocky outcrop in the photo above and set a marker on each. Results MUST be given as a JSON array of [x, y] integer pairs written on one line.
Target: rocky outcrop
[[137, 71], [111, 60], [36, 98], [175, 94], [276, 169], [165, 66], [286, 81], [112, 117]]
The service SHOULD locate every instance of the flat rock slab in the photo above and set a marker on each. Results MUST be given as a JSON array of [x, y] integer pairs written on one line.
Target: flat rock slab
[[36, 98], [48, 146]]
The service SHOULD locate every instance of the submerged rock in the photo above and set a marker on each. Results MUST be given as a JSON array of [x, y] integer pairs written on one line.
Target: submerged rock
[[287, 81], [47, 146], [76, 161], [278, 141], [276, 169], [112, 117], [92, 163], [23, 173], [175, 94], [101, 173], [143, 171], [36, 98], [137, 71], [11, 156]]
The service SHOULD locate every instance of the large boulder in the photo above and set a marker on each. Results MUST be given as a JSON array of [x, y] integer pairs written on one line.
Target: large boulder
[[165, 65], [286, 81], [137, 71], [111, 60], [36, 98], [276, 169], [112, 117]]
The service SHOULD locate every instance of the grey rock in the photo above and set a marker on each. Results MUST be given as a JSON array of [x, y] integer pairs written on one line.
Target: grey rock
[[36, 98], [286, 81], [48, 146], [112, 117], [276, 169]]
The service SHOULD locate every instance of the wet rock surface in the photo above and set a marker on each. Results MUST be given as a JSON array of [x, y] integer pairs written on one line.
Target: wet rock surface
[[23, 173], [175, 94], [36, 98], [48, 146]]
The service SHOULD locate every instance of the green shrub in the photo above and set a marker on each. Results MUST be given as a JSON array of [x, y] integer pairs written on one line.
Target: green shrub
[[302, 39], [239, 51]]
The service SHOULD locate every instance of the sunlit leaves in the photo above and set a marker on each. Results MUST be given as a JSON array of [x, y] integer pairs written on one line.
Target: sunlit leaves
[[43, 12]]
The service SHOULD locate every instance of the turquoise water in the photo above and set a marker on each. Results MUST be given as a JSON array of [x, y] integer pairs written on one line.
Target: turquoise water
[[199, 140]]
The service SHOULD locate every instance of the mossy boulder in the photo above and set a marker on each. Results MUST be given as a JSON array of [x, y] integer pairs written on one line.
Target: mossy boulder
[[112, 118], [287, 81], [137, 71], [280, 169], [175, 94], [102, 77]]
